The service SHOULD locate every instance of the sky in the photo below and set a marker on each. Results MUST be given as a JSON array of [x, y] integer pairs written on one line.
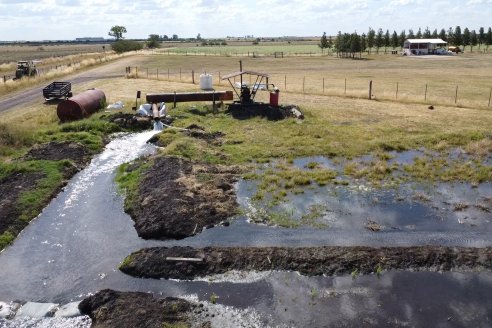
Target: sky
[[32, 20]]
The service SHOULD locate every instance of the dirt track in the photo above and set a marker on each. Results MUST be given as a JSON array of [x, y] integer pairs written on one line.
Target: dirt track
[[111, 70]]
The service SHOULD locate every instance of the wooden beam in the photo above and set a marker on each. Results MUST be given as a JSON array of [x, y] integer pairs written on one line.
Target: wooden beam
[[189, 96]]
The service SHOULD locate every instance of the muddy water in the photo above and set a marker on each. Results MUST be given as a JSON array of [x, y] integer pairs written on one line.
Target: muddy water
[[74, 247]]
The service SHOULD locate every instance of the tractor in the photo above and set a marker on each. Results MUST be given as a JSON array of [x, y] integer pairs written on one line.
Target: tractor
[[25, 68]]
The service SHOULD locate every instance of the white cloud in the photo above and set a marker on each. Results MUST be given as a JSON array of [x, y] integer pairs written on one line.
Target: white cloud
[[68, 19]]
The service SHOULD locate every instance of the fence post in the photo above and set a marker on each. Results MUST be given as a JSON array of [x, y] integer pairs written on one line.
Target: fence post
[[219, 78], [345, 89], [396, 97], [168, 75], [490, 96], [147, 73], [303, 84], [370, 90], [157, 74], [323, 85], [456, 95], [285, 82], [5, 81], [425, 95], [136, 72], [180, 75], [193, 76]]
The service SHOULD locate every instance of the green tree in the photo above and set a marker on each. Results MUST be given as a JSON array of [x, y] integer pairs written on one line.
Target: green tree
[[363, 42], [402, 37], [488, 38], [338, 43], [324, 42], [450, 36], [410, 35], [481, 37], [419, 34], [371, 34], [379, 42], [435, 34], [443, 35], [427, 33], [198, 37], [466, 37], [153, 41], [473, 40], [395, 42], [117, 32], [355, 44], [457, 36], [387, 40]]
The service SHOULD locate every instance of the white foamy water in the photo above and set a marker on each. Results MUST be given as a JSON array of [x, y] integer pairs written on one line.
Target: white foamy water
[[235, 276], [77, 322], [223, 316], [121, 150]]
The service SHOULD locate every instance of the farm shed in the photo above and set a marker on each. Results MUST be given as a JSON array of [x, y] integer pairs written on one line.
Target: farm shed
[[423, 46]]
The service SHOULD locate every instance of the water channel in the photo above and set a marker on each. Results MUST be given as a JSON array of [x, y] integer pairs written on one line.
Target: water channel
[[73, 248]]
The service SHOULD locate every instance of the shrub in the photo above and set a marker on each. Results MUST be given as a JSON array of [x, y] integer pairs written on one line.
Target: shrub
[[126, 45]]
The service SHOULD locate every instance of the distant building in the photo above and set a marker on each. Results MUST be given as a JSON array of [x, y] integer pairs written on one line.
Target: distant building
[[90, 39], [423, 46]]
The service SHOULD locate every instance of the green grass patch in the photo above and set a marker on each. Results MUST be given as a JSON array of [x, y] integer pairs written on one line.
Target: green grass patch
[[32, 202], [6, 239], [128, 177]]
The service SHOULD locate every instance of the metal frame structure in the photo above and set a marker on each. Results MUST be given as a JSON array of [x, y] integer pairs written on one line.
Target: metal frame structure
[[244, 98]]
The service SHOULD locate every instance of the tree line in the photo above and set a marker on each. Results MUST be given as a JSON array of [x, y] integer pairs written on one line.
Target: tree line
[[351, 44]]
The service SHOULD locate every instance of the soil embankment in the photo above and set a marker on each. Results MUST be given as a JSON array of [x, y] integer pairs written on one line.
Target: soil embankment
[[110, 308], [22, 181], [57, 151], [177, 198], [188, 263]]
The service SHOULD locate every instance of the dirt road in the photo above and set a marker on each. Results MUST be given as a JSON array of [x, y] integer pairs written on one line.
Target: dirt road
[[111, 70]]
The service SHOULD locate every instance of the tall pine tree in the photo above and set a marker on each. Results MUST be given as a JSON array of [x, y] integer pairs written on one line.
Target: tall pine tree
[[371, 34]]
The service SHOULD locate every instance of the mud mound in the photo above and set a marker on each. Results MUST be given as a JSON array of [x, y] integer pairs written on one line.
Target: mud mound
[[188, 263], [132, 122], [210, 137], [246, 111], [110, 308], [178, 198], [10, 189], [56, 151]]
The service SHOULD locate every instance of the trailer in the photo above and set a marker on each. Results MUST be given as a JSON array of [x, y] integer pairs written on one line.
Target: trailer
[[57, 90]]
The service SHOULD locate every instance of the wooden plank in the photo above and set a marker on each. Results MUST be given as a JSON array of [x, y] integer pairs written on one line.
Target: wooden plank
[[184, 259], [189, 96]]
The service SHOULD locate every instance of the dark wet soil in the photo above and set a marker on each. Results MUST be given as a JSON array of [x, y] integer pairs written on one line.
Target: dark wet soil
[[110, 308], [187, 263], [246, 111], [19, 182], [178, 198], [56, 151], [10, 189]]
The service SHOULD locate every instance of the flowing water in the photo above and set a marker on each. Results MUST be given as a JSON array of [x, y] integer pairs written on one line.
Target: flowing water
[[75, 245]]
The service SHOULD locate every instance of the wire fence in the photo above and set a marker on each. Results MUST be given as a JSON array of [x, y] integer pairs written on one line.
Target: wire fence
[[435, 93]]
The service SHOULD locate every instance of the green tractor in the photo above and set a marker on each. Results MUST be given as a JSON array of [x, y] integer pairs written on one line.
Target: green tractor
[[25, 68]]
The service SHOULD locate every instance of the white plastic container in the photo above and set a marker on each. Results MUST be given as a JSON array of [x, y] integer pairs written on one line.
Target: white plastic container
[[206, 82]]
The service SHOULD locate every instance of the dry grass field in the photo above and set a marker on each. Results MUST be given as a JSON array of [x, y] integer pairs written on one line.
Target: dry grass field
[[14, 53], [404, 79]]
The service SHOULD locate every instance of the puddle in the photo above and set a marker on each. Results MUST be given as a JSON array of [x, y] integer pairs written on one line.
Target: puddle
[[75, 245], [354, 205]]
